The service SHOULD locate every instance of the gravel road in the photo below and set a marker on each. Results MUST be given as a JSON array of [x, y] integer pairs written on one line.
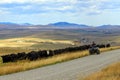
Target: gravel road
[[70, 70]]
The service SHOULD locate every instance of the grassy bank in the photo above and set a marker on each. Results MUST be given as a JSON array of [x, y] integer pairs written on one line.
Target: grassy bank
[[8, 68], [112, 72]]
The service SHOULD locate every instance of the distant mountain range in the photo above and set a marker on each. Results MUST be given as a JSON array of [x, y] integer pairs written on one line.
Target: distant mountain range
[[109, 27], [9, 25], [66, 24]]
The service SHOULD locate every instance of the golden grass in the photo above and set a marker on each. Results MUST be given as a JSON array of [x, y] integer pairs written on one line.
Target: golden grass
[[117, 39], [109, 49], [8, 50], [27, 42], [112, 72], [6, 68]]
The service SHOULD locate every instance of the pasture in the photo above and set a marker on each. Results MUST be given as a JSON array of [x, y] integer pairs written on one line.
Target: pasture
[[27, 44], [16, 41], [85, 36], [12, 67]]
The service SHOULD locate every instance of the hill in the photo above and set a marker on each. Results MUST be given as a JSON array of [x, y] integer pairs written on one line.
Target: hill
[[68, 25], [109, 27], [58, 25]]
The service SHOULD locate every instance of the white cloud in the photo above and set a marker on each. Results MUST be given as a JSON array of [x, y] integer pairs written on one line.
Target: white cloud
[[36, 1], [27, 7], [13, 1], [3, 11], [98, 6], [59, 8], [76, 6]]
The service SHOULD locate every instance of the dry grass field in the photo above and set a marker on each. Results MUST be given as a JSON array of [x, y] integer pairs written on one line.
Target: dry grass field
[[27, 44], [9, 50], [8, 68], [26, 40], [111, 72], [117, 40]]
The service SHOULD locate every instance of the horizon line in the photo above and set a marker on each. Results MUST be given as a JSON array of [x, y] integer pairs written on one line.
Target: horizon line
[[54, 23]]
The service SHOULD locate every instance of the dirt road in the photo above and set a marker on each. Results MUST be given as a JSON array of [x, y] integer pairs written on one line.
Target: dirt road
[[70, 70]]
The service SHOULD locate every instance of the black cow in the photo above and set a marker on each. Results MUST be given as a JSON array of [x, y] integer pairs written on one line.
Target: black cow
[[21, 56], [34, 55], [108, 45], [6, 58]]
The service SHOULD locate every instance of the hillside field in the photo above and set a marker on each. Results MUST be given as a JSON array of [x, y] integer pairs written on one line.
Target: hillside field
[[26, 40], [26, 44]]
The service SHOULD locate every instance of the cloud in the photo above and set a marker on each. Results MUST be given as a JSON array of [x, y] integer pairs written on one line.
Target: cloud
[[13, 1], [47, 11], [37, 1], [37, 6], [90, 7], [93, 7], [3, 11]]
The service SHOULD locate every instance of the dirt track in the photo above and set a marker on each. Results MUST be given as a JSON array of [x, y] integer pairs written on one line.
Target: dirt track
[[71, 70]]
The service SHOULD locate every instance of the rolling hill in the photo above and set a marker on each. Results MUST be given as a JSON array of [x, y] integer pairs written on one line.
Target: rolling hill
[[68, 25], [58, 25]]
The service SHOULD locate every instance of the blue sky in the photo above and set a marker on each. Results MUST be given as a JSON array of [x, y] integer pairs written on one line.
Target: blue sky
[[90, 12]]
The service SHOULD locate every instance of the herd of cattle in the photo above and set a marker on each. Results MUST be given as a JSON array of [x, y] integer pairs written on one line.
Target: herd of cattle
[[34, 55]]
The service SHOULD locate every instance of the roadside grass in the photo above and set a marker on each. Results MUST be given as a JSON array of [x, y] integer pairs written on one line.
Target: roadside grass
[[12, 67], [111, 72], [109, 49]]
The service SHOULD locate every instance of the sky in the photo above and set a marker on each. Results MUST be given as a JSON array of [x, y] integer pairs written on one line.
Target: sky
[[89, 12]]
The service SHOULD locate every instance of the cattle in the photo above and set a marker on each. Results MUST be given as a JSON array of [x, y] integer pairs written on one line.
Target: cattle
[[108, 45], [9, 58], [34, 55], [50, 53], [6, 58], [21, 56], [101, 45]]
